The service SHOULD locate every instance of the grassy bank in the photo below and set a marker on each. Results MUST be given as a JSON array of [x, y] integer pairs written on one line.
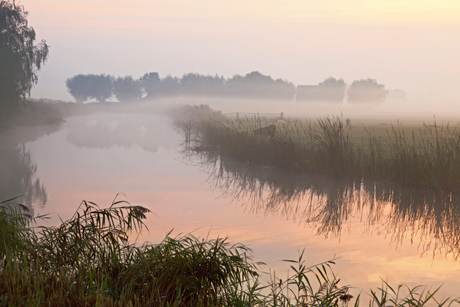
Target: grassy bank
[[424, 157], [90, 260]]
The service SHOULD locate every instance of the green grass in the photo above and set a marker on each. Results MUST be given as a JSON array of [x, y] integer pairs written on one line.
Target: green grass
[[425, 157], [89, 260]]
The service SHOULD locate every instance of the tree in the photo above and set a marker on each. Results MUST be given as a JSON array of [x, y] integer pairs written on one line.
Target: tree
[[20, 59], [170, 86], [127, 89], [257, 85], [101, 87], [150, 82], [332, 90], [79, 87], [366, 90], [214, 85], [83, 87], [193, 84]]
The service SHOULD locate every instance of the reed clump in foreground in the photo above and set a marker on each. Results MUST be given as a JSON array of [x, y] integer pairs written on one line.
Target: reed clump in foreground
[[428, 157], [89, 260]]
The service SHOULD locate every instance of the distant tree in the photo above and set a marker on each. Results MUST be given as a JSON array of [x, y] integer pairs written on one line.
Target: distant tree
[[150, 82], [282, 89], [214, 85], [257, 85], [332, 89], [366, 90], [20, 59], [102, 87], [84, 87], [127, 89], [196, 84], [235, 86], [170, 86], [79, 87], [192, 84]]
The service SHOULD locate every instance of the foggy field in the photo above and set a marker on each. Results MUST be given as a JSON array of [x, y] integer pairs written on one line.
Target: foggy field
[[390, 112], [424, 156]]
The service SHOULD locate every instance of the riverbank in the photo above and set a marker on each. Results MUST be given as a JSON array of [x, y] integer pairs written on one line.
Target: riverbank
[[424, 156]]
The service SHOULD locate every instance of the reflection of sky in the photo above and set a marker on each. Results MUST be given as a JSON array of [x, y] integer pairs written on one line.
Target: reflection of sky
[[180, 199]]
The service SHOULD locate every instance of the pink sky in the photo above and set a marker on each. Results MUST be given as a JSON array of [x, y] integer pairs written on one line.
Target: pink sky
[[412, 45]]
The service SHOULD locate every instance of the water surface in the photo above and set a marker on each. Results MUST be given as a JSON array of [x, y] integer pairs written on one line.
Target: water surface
[[376, 231]]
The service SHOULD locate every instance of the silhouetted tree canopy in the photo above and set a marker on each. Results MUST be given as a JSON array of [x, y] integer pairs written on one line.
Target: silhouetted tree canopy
[[79, 87], [151, 83], [84, 87], [366, 90], [253, 85], [257, 85], [20, 59], [333, 89], [193, 84], [170, 86], [127, 89], [214, 85], [196, 84], [330, 90]]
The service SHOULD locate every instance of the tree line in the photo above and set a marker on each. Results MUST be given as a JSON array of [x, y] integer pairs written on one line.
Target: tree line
[[20, 60], [335, 90], [252, 85], [125, 89]]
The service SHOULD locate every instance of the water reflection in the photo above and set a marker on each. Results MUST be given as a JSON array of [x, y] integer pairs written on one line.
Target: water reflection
[[425, 218], [118, 130], [18, 173]]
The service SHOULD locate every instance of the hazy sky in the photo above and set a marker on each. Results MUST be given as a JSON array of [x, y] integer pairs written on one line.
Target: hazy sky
[[409, 44]]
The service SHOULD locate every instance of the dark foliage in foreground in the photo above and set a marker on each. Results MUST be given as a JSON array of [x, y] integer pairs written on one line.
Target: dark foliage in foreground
[[89, 260]]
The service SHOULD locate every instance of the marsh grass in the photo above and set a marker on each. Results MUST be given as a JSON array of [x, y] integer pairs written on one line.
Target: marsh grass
[[425, 157], [88, 260]]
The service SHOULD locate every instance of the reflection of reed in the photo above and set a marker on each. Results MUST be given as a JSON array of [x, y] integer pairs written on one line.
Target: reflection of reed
[[429, 217], [426, 218]]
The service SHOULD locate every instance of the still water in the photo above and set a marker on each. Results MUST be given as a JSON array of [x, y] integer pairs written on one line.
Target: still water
[[375, 231]]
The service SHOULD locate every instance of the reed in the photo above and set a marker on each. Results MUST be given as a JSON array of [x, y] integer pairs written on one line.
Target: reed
[[427, 157], [89, 261]]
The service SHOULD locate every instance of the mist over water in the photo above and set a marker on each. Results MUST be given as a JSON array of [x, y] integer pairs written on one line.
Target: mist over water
[[377, 231], [389, 112], [143, 75]]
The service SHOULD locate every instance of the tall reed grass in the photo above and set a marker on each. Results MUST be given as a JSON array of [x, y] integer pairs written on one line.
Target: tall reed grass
[[89, 260], [426, 158]]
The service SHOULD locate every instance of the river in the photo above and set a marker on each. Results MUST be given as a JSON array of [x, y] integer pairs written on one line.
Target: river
[[373, 231]]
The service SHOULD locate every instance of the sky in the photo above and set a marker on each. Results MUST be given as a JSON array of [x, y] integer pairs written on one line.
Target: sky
[[412, 45]]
